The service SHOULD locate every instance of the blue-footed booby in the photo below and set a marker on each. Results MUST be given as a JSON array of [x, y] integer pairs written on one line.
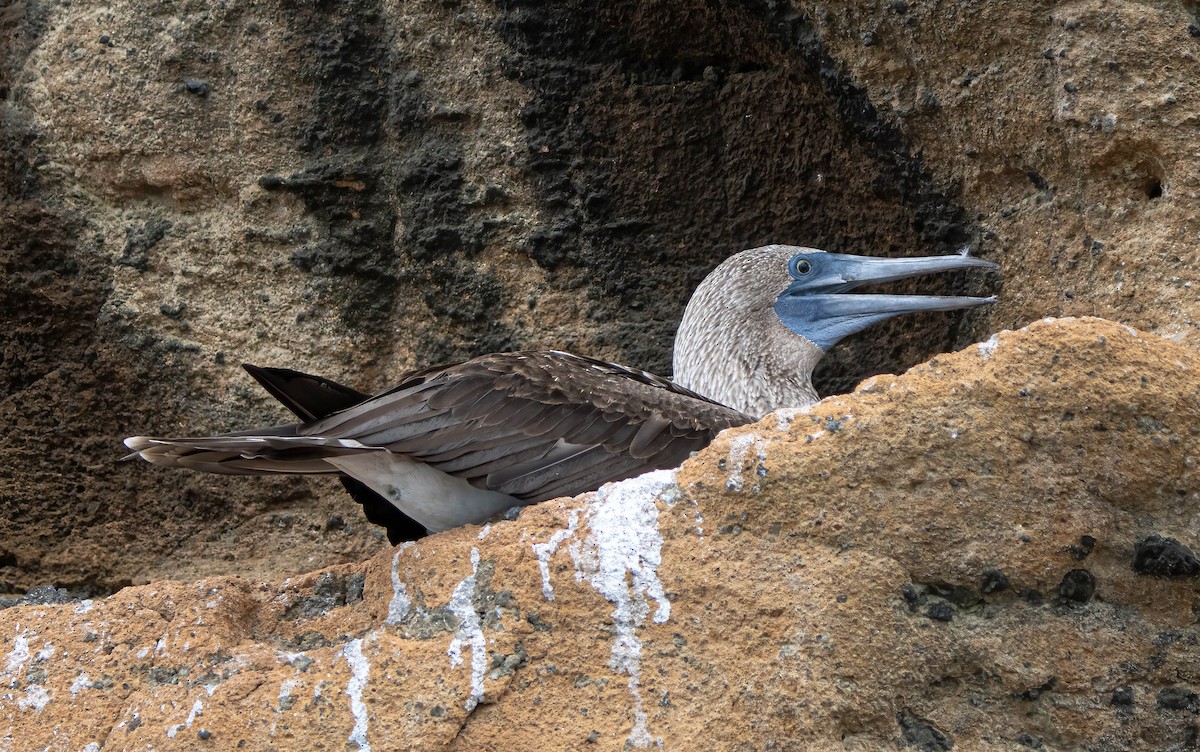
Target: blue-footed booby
[[459, 443]]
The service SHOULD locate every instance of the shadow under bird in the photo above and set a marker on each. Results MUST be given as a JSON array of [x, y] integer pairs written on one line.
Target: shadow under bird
[[457, 444]]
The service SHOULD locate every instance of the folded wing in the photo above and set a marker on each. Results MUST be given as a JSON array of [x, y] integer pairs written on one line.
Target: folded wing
[[530, 425]]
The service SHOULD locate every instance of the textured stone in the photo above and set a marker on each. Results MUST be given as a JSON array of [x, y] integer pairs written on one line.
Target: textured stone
[[771, 593], [361, 188]]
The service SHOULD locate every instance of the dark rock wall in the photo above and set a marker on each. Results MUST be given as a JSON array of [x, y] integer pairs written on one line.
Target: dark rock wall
[[664, 135]]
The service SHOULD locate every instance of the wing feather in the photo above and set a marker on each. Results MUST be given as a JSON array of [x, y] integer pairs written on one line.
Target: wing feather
[[478, 461], [652, 435], [525, 478], [530, 424], [532, 451], [590, 478], [390, 435]]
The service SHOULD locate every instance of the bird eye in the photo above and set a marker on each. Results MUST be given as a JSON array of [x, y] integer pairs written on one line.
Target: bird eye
[[802, 266]]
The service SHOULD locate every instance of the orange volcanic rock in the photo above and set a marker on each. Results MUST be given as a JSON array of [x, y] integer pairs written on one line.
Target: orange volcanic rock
[[961, 554]]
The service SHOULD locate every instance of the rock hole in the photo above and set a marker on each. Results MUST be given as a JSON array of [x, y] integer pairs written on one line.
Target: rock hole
[[1153, 188]]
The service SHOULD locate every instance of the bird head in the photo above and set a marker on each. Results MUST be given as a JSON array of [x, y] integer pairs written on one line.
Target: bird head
[[818, 305]]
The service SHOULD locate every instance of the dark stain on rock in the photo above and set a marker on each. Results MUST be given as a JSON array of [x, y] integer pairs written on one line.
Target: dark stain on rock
[[940, 611], [440, 224], [22, 26], [507, 664], [42, 595], [1032, 597], [139, 241], [329, 592], [994, 581], [344, 185], [664, 137], [942, 601], [1035, 693], [1164, 557], [1177, 698], [167, 674], [1164, 641], [960, 596], [443, 237], [535, 620], [352, 260], [348, 65], [309, 639], [359, 187], [921, 733], [195, 86]]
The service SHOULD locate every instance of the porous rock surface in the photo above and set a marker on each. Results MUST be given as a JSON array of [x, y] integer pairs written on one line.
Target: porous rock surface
[[942, 558], [356, 189]]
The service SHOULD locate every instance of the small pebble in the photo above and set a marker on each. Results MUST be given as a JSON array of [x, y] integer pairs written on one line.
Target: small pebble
[[196, 86]]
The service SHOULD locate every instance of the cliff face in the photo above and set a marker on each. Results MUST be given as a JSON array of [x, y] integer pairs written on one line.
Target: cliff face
[[989, 550], [359, 189]]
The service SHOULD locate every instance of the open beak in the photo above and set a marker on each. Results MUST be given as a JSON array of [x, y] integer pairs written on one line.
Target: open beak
[[817, 306]]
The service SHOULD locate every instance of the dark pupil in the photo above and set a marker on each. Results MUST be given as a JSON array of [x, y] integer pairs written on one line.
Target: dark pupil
[[803, 267]]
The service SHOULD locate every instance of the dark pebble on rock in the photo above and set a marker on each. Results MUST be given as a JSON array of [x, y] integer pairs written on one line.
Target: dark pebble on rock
[[1164, 557], [1077, 585], [994, 581], [940, 611], [196, 86]]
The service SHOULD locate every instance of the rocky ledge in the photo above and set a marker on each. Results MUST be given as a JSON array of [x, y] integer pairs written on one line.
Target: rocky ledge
[[991, 549]]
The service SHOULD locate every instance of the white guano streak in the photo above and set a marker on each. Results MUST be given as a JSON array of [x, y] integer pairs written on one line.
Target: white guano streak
[[400, 604], [36, 697], [360, 670], [623, 539], [470, 631], [81, 683], [543, 552], [197, 709], [739, 446], [785, 415], [285, 692], [18, 655], [987, 348]]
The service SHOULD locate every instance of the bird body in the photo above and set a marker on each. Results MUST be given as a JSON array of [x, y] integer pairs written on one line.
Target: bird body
[[459, 443]]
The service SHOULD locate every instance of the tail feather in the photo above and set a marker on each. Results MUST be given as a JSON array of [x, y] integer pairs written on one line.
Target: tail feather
[[244, 454], [309, 397], [268, 451]]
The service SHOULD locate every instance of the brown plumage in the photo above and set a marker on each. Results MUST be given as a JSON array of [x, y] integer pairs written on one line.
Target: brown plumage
[[525, 426]]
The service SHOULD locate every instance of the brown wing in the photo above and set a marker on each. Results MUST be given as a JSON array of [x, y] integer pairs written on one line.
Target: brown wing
[[534, 425]]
